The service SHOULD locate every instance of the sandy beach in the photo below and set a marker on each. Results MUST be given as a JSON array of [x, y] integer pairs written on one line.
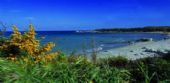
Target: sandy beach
[[139, 50]]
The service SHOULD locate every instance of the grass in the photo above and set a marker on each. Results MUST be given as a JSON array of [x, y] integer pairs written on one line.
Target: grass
[[61, 72], [145, 70], [79, 70]]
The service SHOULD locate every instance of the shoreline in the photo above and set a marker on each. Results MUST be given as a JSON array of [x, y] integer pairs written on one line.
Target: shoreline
[[138, 50], [160, 32]]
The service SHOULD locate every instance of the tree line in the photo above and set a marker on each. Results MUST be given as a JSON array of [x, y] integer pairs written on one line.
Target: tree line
[[137, 29]]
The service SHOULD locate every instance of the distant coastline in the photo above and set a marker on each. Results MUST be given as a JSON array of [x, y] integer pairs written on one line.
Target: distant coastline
[[153, 29]]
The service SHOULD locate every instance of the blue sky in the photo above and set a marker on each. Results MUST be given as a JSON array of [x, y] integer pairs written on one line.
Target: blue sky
[[84, 14]]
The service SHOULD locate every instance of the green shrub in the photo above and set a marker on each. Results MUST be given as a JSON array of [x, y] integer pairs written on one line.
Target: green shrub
[[76, 72], [118, 61], [155, 65]]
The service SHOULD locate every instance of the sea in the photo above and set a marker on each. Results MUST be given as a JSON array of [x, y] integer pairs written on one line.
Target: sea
[[80, 42]]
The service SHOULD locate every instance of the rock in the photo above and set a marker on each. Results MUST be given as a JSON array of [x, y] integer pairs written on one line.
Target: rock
[[151, 50], [130, 42], [166, 38], [136, 54], [105, 51], [144, 40], [131, 51], [144, 48]]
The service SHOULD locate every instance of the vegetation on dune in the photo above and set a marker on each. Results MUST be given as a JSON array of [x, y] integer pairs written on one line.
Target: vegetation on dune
[[23, 60], [144, 70], [138, 29]]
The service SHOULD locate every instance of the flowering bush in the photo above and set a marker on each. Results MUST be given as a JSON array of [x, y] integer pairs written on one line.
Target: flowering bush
[[27, 42]]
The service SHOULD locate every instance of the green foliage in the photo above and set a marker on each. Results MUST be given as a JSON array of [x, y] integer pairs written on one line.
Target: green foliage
[[60, 72], [147, 70], [153, 69], [76, 69], [118, 61]]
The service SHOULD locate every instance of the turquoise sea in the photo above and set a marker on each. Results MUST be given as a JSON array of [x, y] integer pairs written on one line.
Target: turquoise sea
[[72, 41]]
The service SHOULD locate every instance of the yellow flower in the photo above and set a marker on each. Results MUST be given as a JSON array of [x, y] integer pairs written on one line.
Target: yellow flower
[[30, 44]]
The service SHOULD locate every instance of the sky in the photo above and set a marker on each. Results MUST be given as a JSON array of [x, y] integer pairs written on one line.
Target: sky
[[84, 14]]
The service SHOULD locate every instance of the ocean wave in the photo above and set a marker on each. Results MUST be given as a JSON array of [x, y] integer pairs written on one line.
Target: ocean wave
[[94, 49], [102, 45]]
